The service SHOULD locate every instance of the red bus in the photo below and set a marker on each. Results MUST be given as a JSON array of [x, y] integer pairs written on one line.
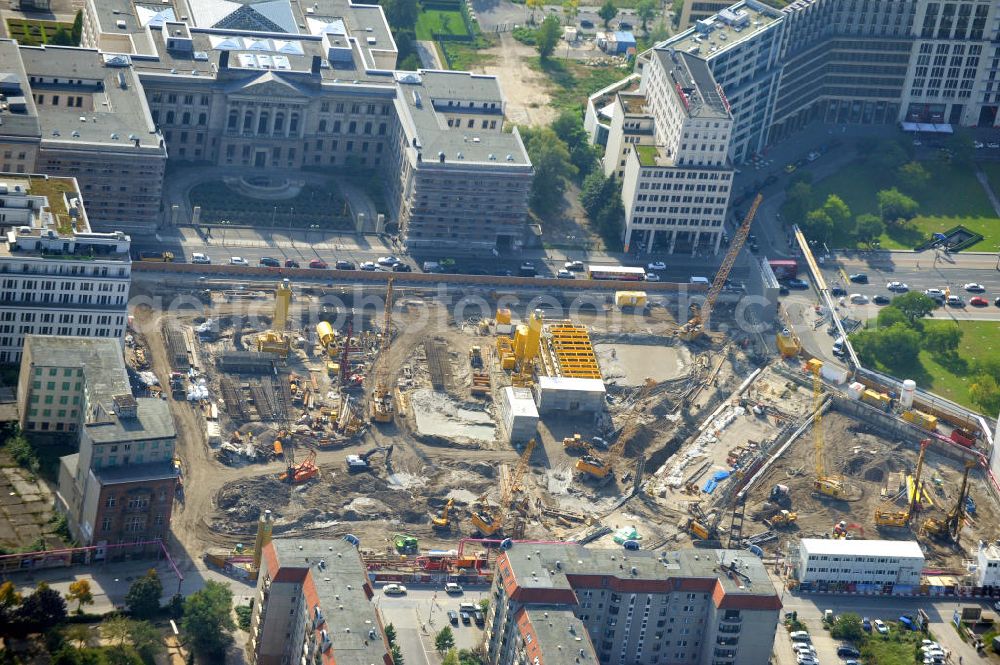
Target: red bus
[[784, 268], [619, 273]]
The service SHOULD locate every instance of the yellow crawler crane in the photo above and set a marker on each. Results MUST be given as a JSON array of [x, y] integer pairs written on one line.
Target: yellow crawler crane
[[382, 407], [901, 518], [491, 520], [827, 485]]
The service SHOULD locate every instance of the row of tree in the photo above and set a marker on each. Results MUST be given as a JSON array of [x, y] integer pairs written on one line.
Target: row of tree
[[896, 209]]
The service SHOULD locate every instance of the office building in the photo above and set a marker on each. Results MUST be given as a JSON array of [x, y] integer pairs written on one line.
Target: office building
[[693, 11], [836, 62], [57, 277], [313, 604], [81, 113], [573, 604], [876, 562], [119, 488]]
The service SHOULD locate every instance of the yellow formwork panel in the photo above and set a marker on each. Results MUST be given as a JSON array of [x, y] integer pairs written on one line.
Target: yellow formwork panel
[[573, 351]]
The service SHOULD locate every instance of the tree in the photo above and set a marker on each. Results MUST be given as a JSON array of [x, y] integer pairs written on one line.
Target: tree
[[80, 592], [450, 658], [175, 608], [547, 36], [571, 9], [44, 608], [146, 640], [9, 600], [122, 654], [116, 629], [607, 12], [61, 37], [847, 626], [942, 340], [868, 227], [888, 154], [645, 10], [77, 32], [444, 640], [550, 158], [914, 305], [401, 14], [818, 226], [469, 657], [390, 633], [397, 654], [985, 391], [895, 206], [797, 201], [208, 619], [913, 176], [78, 633], [889, 316], [899, 346], [143, 597], [595, 192], [534, 5], [839, 213], [569, 128]]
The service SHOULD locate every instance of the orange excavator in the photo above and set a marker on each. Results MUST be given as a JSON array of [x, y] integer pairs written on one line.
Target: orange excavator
[[302, 472]]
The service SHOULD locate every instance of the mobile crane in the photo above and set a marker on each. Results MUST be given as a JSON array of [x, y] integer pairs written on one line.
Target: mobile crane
[[491, 520], [698, 323], [901, 518], [381, 399], [601, 467]]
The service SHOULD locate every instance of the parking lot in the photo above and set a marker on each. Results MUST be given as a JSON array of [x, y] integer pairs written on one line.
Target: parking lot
[[421, 613]]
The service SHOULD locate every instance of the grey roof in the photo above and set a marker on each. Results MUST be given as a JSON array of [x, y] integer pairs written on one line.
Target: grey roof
[[100, 358], [535, 566], [120, 115], [422, 94], [561, 636], [339, 583], [25, 124], [693, 76], [134, 473], [152, 421]]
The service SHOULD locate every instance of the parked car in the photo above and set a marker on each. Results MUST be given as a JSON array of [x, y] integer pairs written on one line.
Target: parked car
[[453, 587], [238, 261], [799, 636], [575, 266], [402, 267], [565, 274], [652, 277], [624, 25], [796, 283], [880, 627], [368, 266], [479, 618], [859, 299], [290, 263], [847, 651], [881, 299], [979, 301], [866, 624], [838, 291], [955, 301], [388, 261], [900, 287], [973, 287], [527, 269], [937, 294], [997, 302], [584, 23], [344, 265], [453, 617], [858, 278], [318, 264], [269, 262], [394, 589], [656, 265], [465, 617], [198, 257]]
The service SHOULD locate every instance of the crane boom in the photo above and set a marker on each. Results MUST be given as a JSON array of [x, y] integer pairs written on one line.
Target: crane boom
[[381, 402], [698, 323]]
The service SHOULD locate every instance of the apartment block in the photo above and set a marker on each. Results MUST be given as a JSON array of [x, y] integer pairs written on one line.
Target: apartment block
[[313, 605], [573, 604], [57, 277], [119, 488], [92, 124], [876, 562]]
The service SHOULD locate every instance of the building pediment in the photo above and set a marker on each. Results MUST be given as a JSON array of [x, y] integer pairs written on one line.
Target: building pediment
[[270, 85]]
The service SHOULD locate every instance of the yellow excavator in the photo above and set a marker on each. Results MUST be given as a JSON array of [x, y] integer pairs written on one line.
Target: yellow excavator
[[442, 521], [951, 526], [491, 520], [901, 518], [600, 468], [382, 408], [698, 323]]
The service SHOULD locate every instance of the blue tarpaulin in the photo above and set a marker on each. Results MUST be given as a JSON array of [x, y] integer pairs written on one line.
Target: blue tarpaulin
[[713, 482]]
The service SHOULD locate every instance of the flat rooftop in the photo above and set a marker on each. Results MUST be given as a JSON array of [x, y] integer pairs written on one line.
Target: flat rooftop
[[340, 587], [425, 96], [562, 638], [18, 114], [135, 473], [880, 548], [101, 360], [152, 421], [724, 30], [693, 82], [112, 112]]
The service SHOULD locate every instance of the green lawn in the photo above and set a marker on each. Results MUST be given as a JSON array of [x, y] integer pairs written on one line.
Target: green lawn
[[647, 154], [896, 648], [35, 32], [954, 197], [441, 22], [950, 379], [462, 57]]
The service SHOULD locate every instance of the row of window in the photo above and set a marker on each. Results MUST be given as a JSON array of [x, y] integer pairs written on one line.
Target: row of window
[[58, 268], [49, 317], [48, 285]]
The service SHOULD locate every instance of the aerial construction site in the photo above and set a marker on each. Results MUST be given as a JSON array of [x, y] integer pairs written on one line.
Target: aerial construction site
[[404, 417]]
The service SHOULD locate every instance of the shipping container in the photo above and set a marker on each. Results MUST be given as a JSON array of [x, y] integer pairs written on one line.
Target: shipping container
[[921, 419], [784, 268]]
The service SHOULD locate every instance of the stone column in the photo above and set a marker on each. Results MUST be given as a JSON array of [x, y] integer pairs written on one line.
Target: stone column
[[718, 241], [673, 240], [649, 241]]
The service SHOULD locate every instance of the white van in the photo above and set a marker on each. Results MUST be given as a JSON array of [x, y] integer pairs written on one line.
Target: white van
[[700, 280]]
